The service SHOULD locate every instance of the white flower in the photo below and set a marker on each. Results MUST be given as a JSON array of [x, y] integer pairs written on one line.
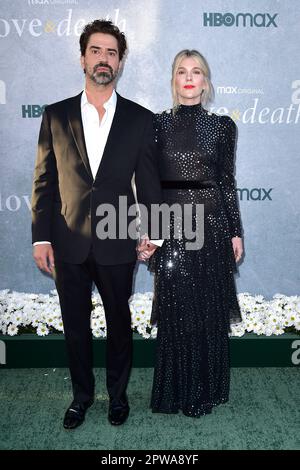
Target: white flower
[[259, 298], [99, 333], [268, 331], [258, 330], [98, 312], [35, 322], [154, 332], [42, 330], [237, 330], [16, 318], [33, 296], [278, 330], [297, 326], [249, 325], [291, 319], [272, 319], [278, 296], [41, 311], [3, 329], [12, 330], [3, 293], [58, 325], [95, 323]]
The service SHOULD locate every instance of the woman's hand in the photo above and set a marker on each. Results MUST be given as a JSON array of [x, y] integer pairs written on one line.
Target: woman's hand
[[145, 249], [237, 245]]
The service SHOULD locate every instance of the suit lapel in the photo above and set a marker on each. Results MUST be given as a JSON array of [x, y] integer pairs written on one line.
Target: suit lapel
[[75, 121], [117, 126]]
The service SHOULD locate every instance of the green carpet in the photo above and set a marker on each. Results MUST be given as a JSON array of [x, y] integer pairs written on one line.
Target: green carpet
[[263, 413]]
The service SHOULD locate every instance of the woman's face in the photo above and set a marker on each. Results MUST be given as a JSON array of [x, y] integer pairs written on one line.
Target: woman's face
[[189, 81]]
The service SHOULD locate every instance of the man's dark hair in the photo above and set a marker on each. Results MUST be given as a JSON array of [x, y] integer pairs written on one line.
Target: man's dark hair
[[105, 27]]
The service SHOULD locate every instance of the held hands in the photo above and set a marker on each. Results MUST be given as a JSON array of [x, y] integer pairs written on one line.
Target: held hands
[[145, 249], [43, 257], [237, 245]]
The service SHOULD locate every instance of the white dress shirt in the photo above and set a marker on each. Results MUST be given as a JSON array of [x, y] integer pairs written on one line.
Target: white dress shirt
[[96, 131]]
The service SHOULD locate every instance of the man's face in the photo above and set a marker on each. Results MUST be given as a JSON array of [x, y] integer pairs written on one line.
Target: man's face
[[101, 60]]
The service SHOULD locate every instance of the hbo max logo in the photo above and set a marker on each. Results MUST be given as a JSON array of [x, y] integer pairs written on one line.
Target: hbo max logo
[[259, 20], [32, 110]]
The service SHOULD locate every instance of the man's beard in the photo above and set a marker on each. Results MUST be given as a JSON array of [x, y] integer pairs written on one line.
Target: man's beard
[[105, 77]]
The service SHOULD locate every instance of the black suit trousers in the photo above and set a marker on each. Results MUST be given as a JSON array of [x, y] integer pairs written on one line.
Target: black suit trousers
[[74, 285]]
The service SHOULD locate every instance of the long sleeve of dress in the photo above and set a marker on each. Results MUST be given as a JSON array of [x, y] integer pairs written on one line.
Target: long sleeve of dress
[[226, 179]]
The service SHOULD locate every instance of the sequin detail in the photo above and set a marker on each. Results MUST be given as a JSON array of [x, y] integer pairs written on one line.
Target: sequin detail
[[195, 298]]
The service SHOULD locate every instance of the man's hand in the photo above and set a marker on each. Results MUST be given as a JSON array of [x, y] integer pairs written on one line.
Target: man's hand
[[145, 249], [43, 257]]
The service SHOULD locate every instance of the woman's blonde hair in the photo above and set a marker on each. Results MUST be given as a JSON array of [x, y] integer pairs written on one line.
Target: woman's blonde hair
[[208, 93]]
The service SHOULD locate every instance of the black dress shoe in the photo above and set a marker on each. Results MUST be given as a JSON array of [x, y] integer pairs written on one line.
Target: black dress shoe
[[118, 412], [75, 414]]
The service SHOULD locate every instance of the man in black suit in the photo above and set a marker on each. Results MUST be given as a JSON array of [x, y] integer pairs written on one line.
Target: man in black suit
[[90, 146]]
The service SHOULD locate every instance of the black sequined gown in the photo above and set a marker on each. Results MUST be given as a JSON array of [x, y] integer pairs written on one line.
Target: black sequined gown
[[194, 291]]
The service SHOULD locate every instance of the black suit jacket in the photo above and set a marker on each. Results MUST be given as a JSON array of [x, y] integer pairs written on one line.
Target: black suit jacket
[[65, 195]]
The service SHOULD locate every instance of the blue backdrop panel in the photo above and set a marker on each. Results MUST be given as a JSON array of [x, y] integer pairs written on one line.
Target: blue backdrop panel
[[252, 48]]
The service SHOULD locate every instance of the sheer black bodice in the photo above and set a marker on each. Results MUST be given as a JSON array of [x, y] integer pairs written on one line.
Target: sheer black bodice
[[195, 145]]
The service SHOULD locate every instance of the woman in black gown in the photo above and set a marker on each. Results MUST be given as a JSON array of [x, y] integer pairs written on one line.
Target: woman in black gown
[[194, 291]]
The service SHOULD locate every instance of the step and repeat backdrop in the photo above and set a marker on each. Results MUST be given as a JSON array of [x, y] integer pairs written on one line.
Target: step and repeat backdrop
[[253, 51]]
